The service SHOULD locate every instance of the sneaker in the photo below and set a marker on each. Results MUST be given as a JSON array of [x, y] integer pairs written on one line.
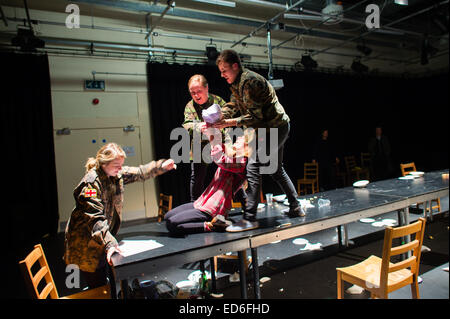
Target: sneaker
[[219, 223], [242, 225], [294, 212]]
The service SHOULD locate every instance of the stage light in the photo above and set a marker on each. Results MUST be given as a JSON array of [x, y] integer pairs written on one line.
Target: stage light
[[27, 41], [308, 62], [358, 67]]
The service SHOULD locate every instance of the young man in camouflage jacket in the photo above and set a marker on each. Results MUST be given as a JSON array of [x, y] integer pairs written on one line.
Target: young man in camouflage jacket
[[255, 101]]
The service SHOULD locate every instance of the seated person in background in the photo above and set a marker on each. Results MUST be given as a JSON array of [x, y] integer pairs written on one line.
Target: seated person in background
[[209, 211]]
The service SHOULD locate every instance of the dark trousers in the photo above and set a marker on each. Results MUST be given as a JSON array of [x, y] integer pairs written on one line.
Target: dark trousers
[[101, 276], [197, 183], [185, 219], [280, 176]]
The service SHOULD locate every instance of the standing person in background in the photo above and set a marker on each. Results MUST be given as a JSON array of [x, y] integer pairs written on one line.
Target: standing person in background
[[256, 102], [325, 155], [193, 121], [90, 232], [380, 156]]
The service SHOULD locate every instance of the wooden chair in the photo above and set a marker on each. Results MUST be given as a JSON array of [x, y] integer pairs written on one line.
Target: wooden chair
[[379, 275], [354, 170], [407, 168], [247, 260], [33, 280], [165, 204], [365, 163], [310, 178]]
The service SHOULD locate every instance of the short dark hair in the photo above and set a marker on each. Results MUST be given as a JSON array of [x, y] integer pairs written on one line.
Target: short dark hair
[[230, 57]]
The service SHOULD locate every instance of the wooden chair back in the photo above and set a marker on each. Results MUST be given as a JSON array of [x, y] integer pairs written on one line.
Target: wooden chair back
[[413, 262], [311, 171], [350, 163], [365, 160], [406, 168], [33, 280], [165, 204]]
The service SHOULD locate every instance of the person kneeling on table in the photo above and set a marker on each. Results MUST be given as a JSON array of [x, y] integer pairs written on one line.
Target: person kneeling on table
[[209, 211]]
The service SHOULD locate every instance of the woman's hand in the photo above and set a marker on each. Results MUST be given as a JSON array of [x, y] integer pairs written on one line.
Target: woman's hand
[[169, 165], [110, 252]]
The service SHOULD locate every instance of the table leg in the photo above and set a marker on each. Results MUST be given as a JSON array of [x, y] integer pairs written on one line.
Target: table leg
[[339, 231], [213, 275], [124, 288], [255, 273], [345, 235], [408, 237], [430, 204], [242, 275]]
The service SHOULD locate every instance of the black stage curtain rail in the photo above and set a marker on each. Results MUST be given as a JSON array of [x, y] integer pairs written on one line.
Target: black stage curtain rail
[[29, 171], [350, 106]]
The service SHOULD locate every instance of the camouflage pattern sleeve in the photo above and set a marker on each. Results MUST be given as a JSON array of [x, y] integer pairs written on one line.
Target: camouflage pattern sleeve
[[191, 118], [142, 172]]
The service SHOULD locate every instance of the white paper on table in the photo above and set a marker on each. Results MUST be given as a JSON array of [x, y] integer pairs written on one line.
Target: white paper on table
[[132, 247]]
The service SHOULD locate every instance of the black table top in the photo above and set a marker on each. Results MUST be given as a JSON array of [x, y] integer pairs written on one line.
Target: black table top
[[343, 201]]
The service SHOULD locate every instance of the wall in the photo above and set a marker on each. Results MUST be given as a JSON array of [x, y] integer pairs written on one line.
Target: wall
[[124, 102]]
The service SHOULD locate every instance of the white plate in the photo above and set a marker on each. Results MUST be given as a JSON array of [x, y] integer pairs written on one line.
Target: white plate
[[362, 183], [367, 220], [419, 174], [300, 241], [406, 177], [279, 198], [389, 222], [378, 224]]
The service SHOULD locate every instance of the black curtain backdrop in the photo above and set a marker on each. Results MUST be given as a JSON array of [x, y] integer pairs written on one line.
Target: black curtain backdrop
[[30, 191], [411, 111]]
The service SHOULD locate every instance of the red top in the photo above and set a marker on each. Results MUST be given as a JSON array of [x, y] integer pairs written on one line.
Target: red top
[[228, 179]]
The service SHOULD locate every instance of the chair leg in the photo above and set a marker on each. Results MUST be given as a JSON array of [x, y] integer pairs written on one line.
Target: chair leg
[[415, 288], [340, 286]]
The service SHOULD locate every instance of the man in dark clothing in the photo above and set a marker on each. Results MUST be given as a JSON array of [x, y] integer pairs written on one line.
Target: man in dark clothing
[[380, 156], [325, 155]]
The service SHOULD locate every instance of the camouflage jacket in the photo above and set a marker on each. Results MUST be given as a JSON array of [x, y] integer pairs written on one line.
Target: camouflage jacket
[[193, 112], [256, 101], [96, 218], [193, 116]]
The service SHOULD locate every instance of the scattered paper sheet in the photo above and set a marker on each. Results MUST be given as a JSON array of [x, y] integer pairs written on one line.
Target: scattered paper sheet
[[310, 246], [132, 247], [355, 290]]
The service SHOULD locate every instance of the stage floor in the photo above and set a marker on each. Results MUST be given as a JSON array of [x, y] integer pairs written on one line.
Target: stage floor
[[296, 273]]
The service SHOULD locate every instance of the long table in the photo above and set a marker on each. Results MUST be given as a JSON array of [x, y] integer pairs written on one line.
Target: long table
[[347, 205]]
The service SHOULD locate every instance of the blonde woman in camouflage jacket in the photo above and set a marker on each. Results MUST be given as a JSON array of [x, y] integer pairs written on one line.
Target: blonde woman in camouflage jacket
[[193, 122], [90, 232]]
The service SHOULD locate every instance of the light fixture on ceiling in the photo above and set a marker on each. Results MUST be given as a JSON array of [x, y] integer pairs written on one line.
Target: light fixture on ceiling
[[401, 2], [211, 53], [222, 3], [358, 67], [302, 17], [308, 62]]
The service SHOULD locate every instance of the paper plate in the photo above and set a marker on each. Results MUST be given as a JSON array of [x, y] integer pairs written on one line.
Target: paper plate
[[406, 177], [300, 241], [389, 222], [367, 220], [360, 184], [419, 174], [279, 198], [378, 224]]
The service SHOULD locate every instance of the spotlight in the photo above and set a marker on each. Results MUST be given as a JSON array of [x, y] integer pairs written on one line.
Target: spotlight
[[211, 54], [27, 41], [358, 67], [308, 62]]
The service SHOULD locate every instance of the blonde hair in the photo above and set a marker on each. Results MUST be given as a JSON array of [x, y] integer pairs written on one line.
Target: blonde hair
[[200, 78], [105, 155]]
